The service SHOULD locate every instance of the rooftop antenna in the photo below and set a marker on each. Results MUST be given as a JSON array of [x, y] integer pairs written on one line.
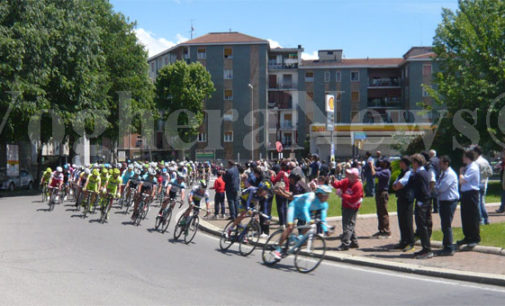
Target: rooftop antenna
[[192, 29]]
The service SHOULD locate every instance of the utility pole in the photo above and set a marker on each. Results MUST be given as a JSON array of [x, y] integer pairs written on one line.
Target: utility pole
[[252, 121]]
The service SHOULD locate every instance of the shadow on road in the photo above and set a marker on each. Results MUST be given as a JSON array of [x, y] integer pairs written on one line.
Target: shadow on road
[[44, 209], [228, 252], [280, 267]]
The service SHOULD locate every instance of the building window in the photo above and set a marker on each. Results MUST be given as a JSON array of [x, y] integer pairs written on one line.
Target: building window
[[326, 76], [201, 53], [228, 94], [338, 76], [228, 53], [228, 136], [152, 67], [228, 74], [355, 96], [202, 137], [427, 70], [309, 77], [286, 140], [406, 72], [228, 116], [186, 53], [355, 76]]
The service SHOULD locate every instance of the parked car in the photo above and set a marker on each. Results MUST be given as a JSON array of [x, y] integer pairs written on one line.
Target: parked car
[[24, 180]]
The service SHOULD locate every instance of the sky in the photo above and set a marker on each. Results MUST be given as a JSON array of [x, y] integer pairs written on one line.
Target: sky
[[362, 28]]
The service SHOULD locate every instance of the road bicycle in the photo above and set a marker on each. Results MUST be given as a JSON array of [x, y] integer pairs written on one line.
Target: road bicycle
[[162, 222], [88, 206], [128, 197], [45, 192], [142, 209], [309, 249], [104, 206], [188, 225], [54, 197], [247, 234]]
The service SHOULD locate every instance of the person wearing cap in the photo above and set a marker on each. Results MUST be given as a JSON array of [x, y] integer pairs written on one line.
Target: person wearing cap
[[350, 189], [281, 180], [405, 206], [232, 186], [383, 174]]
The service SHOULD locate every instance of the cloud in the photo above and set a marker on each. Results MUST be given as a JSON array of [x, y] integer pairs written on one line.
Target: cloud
[[155, 44], [274, 44], [310, 56]]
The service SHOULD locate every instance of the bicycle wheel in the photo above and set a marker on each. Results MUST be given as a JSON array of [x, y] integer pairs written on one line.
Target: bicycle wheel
[[225, 241], [310, 254], [167, 219], [270, 246], [140, 211], [191, 229], [51, 201], [158, 222], [178, 228], [44, 194], [250, 238]]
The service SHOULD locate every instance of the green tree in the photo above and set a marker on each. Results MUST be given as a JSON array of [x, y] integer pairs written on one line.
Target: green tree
[[470, 49], [184, 87]]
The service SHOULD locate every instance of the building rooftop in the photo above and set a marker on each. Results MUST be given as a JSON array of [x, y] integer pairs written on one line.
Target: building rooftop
[[215, 38]]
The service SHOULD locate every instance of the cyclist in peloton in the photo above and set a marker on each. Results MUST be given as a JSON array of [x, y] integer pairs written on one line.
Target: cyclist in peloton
[[249, 198], [176, 185], [112, 188], [147, 187], [92, 185], [56, 179], [197, 194], [300, 208]]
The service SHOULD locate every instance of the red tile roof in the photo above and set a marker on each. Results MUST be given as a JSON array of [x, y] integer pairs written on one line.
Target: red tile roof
[[428, 55], [369, 62], [224, 38]]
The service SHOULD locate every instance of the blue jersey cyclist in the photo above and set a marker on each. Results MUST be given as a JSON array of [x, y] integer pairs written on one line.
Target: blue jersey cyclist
[[301, 207], [175, 186], [249, 198]]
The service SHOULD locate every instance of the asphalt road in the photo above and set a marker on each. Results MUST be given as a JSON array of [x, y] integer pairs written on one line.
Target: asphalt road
[[58, 258]]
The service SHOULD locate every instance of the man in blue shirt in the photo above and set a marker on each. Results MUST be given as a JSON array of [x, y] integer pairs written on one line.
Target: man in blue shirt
[[469, 179], [447, 192]]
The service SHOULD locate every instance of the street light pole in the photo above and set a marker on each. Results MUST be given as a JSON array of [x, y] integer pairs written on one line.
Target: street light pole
[[252, 121]]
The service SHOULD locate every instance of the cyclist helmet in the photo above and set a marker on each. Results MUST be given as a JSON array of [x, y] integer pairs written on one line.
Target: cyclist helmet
[[324, 189], [59, 169], [105, 171], [65, 166], [152, 172], [203, 184], [87, 171], [49, 169], [164, 170], [137, 172], [116, 172], [95, 172], [181, 175], [130, 167]]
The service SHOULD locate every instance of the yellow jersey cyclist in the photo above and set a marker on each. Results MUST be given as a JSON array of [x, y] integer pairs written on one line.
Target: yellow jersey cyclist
[[249, 198], [300, 208], [112, 188], [46, 177], [92, 186]]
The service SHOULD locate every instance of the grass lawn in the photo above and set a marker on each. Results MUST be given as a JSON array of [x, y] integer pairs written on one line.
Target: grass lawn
[[368, 205], [491, 235]]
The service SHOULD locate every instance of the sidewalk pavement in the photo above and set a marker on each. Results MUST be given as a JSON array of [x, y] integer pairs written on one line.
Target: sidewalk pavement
[[483, 264]]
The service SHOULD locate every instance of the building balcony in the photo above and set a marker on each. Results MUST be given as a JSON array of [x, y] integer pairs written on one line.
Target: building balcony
[[283, 86], [384, 82], [274, 65], [280, 106], [385, 102]]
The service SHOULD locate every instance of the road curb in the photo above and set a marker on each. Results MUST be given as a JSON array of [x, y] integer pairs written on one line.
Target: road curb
[[484, 278], [479, 249]]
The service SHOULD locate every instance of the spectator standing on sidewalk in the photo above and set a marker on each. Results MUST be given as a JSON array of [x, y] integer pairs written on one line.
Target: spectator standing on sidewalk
[[420, 180], [405, 206], [447, 192], [219, 187], [383, 175], [502, 182], [435, 168], [350, 190], [232, 187], [367, 175], [485, 172], [469, 179], [280, 179]]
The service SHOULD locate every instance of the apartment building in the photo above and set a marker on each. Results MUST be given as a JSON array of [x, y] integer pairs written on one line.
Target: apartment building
[[376, 98]]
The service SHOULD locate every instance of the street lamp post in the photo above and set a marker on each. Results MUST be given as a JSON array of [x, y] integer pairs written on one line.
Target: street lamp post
[[252, 121]]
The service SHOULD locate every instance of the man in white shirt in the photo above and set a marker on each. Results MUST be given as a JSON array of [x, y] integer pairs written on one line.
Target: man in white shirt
[[486, 172]]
